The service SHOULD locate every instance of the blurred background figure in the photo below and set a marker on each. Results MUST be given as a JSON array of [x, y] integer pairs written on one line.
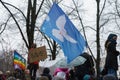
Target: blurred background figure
[[27, 74], [85, 69], [42, 78], [2, 76], [8, 74], [109, 77], [46, 72], [72, 74], [62, 72], [57, 78], [11, 78]]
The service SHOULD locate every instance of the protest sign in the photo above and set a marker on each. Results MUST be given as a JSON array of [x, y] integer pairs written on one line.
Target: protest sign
[[37, 54]]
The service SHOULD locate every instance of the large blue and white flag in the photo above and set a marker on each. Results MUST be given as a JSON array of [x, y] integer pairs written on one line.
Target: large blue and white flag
[[58, 27]]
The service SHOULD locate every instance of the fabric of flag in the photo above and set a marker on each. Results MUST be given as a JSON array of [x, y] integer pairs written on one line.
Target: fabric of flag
[[19, 61], [59, 27]]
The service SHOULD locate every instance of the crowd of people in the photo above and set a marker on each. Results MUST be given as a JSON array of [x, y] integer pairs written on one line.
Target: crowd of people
[[85, 71], [81, 72], [15, 75]]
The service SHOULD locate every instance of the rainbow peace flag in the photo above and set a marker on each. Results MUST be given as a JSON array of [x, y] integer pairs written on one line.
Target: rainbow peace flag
[[19, 61]]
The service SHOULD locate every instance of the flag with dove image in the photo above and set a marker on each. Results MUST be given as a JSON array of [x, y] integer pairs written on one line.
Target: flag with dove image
[[59, 27]]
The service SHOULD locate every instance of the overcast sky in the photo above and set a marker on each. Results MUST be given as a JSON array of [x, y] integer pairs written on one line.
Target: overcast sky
[[88, 5]]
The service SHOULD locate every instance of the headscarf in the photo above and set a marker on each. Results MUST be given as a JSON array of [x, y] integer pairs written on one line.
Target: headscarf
[[110, 39]]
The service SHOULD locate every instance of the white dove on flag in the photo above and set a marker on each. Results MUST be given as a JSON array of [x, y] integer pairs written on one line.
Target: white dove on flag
[[62, 33]]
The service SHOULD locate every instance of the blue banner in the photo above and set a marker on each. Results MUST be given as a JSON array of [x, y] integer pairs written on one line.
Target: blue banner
[[59, 27]]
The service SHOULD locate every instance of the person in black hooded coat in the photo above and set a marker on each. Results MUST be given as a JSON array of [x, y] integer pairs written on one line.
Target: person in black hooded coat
[[86, 68], [46, 72], [111, 63]]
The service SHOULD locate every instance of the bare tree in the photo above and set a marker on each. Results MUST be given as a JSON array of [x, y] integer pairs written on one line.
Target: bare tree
[[33, 13]]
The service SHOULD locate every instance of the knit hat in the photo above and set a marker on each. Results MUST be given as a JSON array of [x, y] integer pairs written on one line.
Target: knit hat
[[86, 77], [61, 74]]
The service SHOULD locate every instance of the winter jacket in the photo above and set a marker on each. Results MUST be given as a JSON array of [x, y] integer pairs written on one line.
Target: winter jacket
[[112, 53]]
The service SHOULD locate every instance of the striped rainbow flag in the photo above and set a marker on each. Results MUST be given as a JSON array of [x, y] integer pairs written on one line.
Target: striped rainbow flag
[[19, 61]]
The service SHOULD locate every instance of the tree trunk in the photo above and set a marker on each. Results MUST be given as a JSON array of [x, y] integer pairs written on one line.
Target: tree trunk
[[98, 41]]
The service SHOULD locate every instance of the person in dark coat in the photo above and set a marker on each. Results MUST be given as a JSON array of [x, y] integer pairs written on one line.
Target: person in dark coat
[[34, 65], [111, 63], [46, 72], [86, 68], [72, 75], [2, 76]]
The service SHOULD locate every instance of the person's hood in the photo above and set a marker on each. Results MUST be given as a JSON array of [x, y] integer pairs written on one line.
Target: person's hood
[[110, 37], [46, 70]]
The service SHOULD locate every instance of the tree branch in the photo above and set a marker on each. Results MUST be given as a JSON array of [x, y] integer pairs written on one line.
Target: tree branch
[[15, 22]]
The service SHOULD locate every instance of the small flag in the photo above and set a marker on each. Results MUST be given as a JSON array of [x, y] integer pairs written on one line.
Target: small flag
[[58, 26], [19, 61]]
